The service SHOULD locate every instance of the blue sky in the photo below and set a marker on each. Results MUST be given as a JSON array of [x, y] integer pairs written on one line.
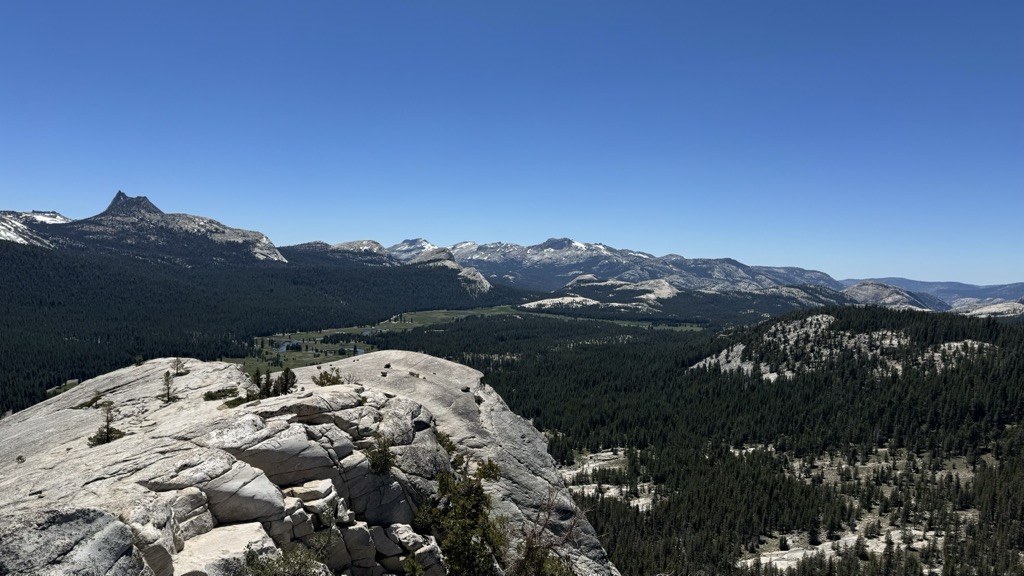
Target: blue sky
[[858, 138]]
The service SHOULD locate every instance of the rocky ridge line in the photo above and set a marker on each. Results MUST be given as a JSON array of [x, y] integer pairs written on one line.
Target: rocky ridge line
[[193, 483]]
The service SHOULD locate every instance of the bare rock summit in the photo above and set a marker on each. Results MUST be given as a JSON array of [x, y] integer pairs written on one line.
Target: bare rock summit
[[193, 483]]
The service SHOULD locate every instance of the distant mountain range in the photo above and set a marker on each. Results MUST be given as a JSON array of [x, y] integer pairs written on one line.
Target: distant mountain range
[[957, 294], [580, 275], [83, 297]]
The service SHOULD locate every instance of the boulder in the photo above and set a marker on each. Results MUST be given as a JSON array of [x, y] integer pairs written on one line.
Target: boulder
[[323, 509], [282, 451], [359, 541], [431, 559], [156, 532], [244, 493], [406, 537], [384, 544], [393, 564], [338, 557], [302, 524], [378, 497], [221, 551], [312, 490]]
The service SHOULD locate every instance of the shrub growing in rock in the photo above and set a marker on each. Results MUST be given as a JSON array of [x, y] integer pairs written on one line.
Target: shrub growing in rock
[[179, 367], [446, 442], [330, 377], [106, 433], [298, 561], [473, 543], [412, 567], [380, 456], [221, 394], [168, 388]]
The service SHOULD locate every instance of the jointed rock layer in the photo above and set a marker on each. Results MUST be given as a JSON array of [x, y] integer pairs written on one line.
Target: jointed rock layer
[[194, 483]]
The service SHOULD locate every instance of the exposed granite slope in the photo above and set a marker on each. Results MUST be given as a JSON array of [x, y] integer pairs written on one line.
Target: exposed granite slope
[[193, 483]]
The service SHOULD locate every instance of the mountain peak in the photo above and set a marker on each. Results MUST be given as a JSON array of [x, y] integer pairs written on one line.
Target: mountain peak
[[123, 205], [408, 250], [561, 244]]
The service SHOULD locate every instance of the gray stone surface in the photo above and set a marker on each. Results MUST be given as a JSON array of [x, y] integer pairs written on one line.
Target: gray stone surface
[[359, 542], [157, 535], [338, 557], [312, 490], [406, 537], [221, 551], [188, 470], [68, 541], [481, 431], [432, 560], [384, 544]]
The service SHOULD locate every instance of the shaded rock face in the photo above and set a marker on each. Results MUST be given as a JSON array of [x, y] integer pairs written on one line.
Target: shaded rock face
[[193, 483], [77, 540]]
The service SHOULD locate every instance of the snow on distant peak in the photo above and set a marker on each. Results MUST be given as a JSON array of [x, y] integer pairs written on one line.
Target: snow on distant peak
[[435, 257], [408, 250], [464, 246], [46, 217], [360, 246], [12, 230]]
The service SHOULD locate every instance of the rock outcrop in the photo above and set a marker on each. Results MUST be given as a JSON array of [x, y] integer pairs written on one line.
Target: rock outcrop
[[193, 484]]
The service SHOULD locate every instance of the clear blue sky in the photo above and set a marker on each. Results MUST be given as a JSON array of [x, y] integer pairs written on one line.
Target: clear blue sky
[[857, 138]]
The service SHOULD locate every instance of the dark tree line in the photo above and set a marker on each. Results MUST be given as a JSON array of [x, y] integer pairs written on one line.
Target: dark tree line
[[67, 314]]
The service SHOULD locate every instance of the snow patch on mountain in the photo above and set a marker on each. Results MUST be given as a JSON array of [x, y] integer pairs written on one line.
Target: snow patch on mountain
[[370, 246], [408, 250], [45, 217], [13, 230], [557, 261], [134, 225]]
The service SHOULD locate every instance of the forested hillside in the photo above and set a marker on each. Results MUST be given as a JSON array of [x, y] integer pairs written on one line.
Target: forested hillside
[[69, 314], [909, 420]]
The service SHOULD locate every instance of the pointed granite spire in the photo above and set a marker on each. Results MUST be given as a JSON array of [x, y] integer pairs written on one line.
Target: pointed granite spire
[[123, 205]]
